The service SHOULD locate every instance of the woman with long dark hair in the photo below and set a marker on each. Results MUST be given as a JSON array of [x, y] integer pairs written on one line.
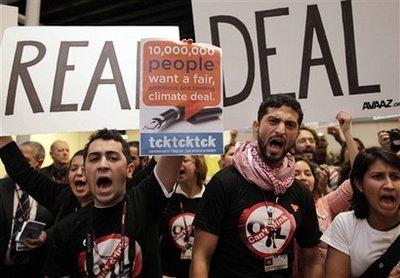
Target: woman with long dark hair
[[358, 239]]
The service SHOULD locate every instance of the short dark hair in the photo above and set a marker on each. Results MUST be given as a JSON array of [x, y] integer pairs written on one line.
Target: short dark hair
[[362, 163], [134, 144], [108, 134], [277, 101]]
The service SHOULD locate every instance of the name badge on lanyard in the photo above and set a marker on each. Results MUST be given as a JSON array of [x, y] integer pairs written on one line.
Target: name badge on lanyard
[[275, 261]]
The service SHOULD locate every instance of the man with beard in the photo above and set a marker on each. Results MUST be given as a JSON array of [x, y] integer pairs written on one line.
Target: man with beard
[[139, 161], [252, 211], [306, 143], [118, 236]]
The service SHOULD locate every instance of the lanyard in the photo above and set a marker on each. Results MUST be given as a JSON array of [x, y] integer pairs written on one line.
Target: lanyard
[[118, 255], [187, 232], [270, 220]]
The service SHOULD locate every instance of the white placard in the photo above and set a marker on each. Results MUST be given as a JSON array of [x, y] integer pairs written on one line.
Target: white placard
[[333, 55], [181, 107], [58, 79], [8, 18]]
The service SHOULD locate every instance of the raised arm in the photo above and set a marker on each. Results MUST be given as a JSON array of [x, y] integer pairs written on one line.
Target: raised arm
[[4, 140], [41, 188], [384, 139], [167, 170], [345, 120], [334, 131]]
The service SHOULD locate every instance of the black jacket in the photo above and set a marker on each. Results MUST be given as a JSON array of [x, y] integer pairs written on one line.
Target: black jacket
[[36, 256], [57, 198]]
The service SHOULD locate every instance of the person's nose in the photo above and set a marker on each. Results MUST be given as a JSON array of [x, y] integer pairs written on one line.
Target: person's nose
[[80, 171], [301, 177], [103, 164], [280, 129], [389, 184]]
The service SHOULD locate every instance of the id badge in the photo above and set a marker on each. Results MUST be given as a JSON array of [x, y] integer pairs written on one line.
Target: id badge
[[186, 254], [273, 263]]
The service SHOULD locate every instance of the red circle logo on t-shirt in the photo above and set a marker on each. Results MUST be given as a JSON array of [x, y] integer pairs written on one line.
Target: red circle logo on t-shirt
[[108, 254], [266, 228], [181, 230]]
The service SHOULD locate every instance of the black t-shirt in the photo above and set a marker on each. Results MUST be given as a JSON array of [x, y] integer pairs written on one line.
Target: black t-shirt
[[178, 235], [145, 203], [236, 211]]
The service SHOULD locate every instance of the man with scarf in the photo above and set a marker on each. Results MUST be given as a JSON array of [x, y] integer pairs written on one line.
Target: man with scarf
[[253, 211]]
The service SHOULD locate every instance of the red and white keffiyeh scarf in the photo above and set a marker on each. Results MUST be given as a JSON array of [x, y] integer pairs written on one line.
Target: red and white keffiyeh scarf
[[249, 163]]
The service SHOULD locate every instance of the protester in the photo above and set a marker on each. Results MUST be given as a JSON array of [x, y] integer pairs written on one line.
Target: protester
[[59, 199], [58, 171], [359, 240], [16, 207], [390, 140], [306, 172], [118, 236], [344, 167], [252, 210], [178, 233], [139, 161], [327, 205], [306, 143], [226, 158]]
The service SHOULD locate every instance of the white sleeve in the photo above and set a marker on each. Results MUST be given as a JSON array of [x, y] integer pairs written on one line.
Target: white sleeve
[[337, 235]]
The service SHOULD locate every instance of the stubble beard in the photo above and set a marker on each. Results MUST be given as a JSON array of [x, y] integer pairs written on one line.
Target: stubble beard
[[270, 160]]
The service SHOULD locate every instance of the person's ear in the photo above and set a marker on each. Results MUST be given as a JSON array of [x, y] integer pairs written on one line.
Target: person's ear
[[255, 129], [39, 164], [130, 169], [221, 163]]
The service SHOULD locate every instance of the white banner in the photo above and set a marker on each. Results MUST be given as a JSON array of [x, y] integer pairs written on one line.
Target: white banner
[[58, 79], [8, 18], [332, 55]]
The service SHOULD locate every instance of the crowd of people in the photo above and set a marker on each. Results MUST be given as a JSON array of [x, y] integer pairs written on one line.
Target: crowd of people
[[281, 206]]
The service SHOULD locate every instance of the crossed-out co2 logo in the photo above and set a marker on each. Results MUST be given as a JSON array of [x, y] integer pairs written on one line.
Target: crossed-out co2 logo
[[181, 229], [259, 236]]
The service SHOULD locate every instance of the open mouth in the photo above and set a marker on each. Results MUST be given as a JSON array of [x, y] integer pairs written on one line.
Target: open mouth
[[181, 171], [276, 144], [79, 184], [388, 199], [104, 182]]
